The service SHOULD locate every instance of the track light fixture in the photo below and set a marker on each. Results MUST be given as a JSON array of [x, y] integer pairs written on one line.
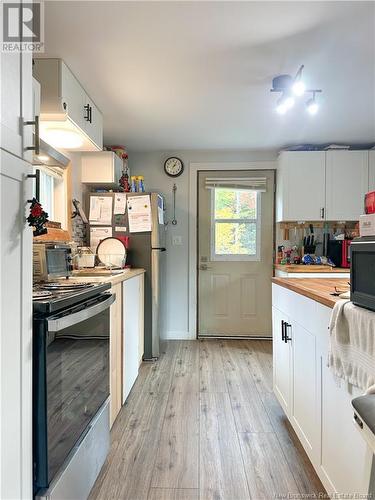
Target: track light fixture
[[289, 87]]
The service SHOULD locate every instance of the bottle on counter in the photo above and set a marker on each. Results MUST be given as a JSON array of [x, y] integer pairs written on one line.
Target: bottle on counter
[[133, 185], [141, 184]]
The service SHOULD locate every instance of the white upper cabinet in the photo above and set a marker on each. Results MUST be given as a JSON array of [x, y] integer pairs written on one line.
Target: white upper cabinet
[[16, 104], [371, 174], [101, 168], [65, 105], [300, 186], [322, 185], [347, 175]]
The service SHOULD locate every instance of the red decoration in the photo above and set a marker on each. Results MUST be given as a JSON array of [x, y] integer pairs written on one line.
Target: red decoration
[[37, 218]]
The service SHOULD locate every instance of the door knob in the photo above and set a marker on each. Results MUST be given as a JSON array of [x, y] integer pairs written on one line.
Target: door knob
[[204, 267]]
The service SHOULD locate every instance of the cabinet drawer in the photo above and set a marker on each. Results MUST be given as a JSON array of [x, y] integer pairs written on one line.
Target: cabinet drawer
[[299, 308]]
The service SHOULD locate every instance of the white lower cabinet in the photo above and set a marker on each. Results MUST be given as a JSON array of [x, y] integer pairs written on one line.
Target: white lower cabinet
[[317, 404], [132, 302], [16, 330], [281, 360]]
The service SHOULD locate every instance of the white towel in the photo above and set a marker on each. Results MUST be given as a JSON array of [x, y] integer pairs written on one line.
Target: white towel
[[352, 345]]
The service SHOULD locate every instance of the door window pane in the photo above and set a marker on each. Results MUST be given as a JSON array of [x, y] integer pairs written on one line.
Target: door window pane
[[235, 226], [235, 204], [235, 238]]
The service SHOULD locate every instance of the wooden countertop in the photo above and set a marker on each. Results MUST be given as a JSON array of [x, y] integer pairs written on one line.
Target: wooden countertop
[[301, 268], [318, 289], [96, 275]]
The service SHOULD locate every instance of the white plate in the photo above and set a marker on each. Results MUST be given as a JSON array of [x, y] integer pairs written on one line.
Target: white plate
[[111, 252]]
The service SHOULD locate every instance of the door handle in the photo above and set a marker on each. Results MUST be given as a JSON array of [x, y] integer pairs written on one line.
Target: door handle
[[286, 338], [36, 147], [283, 330], [88, 110], [204, 267]]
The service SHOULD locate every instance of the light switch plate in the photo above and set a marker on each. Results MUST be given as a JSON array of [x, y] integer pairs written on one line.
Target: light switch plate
[[177, 240]]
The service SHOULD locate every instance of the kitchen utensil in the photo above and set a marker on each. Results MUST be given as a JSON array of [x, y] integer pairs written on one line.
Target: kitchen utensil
[[111, 252]]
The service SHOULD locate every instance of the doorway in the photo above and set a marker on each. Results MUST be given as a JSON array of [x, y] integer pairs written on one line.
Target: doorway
[[235, 253]]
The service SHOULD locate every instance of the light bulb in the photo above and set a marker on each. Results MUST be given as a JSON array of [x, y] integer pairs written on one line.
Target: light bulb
[[298, 88], [64, 139], [43, 157], [312, 106]]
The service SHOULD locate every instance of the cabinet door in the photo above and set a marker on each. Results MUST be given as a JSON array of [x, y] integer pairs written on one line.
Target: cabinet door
[[281, 361], [300, 185], [115, 381], [16, 330], [304, 412], [346, 184], [16, 103], [94, 125], [345, 458], [130, 345], [371, 174], [141, 346], [73, 97]]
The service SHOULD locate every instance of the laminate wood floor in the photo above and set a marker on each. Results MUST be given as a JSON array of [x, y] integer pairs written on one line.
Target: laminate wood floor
[[203, 423]]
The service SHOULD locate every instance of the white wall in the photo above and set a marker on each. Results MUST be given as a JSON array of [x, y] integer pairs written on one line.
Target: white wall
[[177, 271]]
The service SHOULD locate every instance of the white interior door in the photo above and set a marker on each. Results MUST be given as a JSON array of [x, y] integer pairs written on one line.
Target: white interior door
[[235, 253]]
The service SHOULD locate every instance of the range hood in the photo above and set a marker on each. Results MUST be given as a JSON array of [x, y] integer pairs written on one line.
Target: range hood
[[50, 157]]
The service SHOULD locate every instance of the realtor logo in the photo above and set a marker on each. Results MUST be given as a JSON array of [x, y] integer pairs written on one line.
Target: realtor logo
[[22, 27]]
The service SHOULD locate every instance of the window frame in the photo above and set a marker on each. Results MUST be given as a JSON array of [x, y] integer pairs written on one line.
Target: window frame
[[236, 257]]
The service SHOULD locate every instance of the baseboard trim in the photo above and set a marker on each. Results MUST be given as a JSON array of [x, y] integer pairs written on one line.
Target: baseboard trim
[[178, 335], [234, 337]]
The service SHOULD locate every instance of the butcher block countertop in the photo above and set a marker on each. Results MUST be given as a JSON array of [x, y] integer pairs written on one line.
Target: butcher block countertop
[[301, 268], [318, 289], [100, 275]]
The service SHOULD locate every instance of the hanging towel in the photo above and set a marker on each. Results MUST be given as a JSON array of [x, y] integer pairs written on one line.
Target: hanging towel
[[352, 345]]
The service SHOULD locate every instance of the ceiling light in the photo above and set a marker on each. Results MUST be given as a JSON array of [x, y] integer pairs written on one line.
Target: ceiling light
[[43, 157], [289, 102], [312, 106], [284, 104], [64, 139], [298, 88]]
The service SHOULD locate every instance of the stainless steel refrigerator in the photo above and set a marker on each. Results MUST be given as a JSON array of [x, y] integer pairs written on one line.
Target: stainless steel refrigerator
[[146, 250]]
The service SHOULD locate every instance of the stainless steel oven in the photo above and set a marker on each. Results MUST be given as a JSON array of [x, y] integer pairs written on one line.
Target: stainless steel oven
[[362, 272], [71, 377]]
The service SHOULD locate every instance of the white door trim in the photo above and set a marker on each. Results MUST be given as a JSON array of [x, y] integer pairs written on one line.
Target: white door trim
[[194, 168]]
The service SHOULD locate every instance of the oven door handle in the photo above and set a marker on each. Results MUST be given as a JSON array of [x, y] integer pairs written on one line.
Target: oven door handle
[[57, 324]]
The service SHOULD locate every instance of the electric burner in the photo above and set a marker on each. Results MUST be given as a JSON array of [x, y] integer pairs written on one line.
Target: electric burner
[[42, 294]]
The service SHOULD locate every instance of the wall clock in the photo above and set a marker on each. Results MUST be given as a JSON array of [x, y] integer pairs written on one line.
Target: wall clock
[[173, 166]]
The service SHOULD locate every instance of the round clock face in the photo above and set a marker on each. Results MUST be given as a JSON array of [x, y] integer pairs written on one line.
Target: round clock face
[[173, 166]]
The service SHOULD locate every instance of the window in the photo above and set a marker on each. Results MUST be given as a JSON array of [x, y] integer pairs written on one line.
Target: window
[[47, 191], [53, 194], [235, 224]]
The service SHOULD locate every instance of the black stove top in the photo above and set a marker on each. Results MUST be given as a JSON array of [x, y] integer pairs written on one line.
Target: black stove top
[[54, 296]]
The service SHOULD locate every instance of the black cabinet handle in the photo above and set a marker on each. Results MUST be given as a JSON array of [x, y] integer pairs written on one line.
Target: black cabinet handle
[[286, 338], [88, 116], [283, 330], [35, 176], [86, 107], [322, 213]]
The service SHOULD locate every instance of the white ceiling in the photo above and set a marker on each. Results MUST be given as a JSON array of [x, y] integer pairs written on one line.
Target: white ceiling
[[196, 75]]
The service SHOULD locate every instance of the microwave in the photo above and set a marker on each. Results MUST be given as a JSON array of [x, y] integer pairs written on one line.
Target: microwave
[[362, 272], [51, 261]]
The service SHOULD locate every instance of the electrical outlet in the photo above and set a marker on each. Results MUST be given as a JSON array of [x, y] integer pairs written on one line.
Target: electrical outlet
[[177, 240]]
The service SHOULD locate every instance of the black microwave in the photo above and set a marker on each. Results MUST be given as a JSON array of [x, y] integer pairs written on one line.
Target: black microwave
[[362, 272]]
